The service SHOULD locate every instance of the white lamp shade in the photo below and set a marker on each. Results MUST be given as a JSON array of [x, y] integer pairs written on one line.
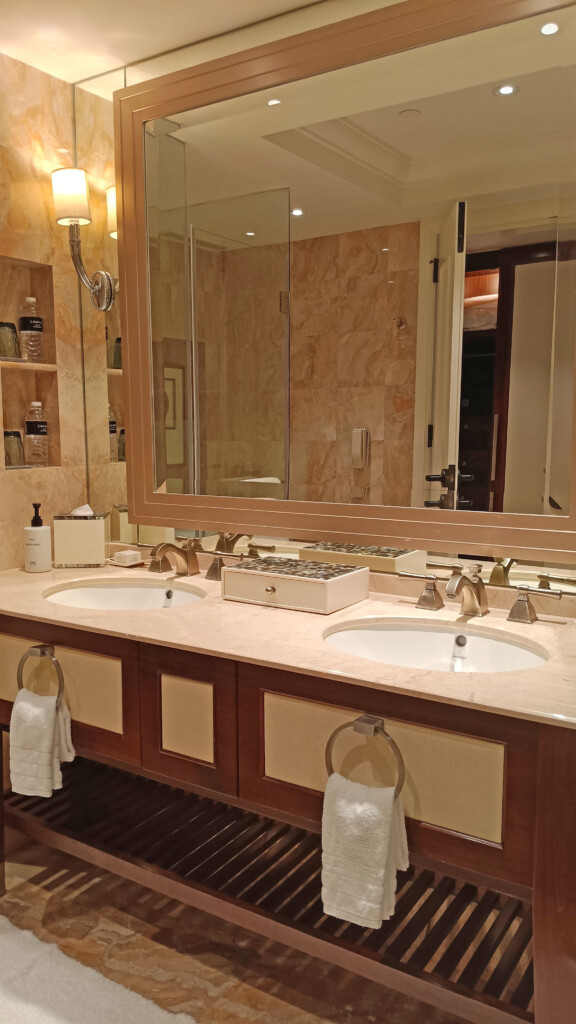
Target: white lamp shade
[[111, 211], [71, 199]]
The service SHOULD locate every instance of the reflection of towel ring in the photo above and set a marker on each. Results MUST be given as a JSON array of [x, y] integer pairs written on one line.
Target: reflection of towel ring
[[369, 726], [42, 651]]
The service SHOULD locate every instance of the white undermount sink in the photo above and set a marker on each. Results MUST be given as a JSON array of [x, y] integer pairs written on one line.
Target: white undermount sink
[[118, 595], [437, 647]]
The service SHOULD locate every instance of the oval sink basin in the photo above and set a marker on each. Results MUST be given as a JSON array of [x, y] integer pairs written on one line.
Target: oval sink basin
[[123, 595], [439, 648]]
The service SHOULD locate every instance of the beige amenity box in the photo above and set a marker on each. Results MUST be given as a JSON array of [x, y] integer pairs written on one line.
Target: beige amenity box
[[295, 584]]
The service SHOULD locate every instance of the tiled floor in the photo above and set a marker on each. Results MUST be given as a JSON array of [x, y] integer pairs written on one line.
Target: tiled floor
[[186, 960]]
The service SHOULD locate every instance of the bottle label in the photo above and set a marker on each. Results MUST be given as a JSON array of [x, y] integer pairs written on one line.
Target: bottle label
[[31, 323], [36, 427], [112, 426]]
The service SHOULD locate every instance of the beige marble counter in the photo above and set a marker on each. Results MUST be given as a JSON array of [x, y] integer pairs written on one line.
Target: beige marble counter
[[294, 640]]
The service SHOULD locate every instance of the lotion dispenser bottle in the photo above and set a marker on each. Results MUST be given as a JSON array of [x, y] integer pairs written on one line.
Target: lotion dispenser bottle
[[37, 544]]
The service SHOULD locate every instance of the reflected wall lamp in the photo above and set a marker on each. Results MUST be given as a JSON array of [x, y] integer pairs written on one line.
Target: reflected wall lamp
[[72, 207]]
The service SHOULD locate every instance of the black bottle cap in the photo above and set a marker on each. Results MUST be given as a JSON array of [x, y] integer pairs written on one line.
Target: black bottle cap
[[36, 518]]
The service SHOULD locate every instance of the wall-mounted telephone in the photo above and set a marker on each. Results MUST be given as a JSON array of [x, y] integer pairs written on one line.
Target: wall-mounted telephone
[[360, 448]]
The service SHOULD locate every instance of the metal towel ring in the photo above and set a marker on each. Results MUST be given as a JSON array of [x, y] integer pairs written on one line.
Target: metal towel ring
[[368, 726], [42, 651]]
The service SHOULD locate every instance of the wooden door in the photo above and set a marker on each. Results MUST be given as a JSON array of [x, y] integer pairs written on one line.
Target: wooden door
[[189, 718]]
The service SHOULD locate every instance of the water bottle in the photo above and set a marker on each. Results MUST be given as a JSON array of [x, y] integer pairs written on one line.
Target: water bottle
[[36, 436], [31, 331], [113, 433]]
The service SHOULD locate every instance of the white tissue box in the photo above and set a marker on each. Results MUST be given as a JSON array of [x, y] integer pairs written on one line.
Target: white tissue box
[[81, 542]]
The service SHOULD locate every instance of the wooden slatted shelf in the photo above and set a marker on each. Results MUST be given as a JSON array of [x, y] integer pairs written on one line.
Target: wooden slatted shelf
[[451, 943]]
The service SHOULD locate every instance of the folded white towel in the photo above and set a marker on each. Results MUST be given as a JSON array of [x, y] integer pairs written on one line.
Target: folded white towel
[[40, 739], [363, 846]]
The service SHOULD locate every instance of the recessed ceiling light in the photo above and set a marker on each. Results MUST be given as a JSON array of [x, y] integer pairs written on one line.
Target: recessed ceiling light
[[297, 212], [506, 90], [549, 29], [274, 103], [250, 234], [409, 112], [385, 249]]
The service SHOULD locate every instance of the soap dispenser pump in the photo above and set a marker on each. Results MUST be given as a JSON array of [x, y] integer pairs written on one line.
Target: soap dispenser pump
[[37, 544]]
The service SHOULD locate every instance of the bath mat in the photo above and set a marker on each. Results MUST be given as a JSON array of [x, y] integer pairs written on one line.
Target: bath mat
[[40, 985]]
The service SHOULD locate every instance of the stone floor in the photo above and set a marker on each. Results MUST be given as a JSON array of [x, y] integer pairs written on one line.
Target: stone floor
[[185, 960]]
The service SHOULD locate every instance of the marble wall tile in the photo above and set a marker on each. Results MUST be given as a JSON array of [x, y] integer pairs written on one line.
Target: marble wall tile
[[362, 357], [350, 362], [362, 253], [314, 260], [404, 243]]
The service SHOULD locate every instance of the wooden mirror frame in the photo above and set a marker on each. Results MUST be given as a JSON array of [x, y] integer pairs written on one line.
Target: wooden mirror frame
[[402, 26]]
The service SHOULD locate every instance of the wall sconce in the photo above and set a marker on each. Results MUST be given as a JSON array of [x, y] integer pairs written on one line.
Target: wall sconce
[[72, 207]]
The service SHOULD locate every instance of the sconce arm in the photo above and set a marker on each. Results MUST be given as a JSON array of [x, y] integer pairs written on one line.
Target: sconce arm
[[101, 285]]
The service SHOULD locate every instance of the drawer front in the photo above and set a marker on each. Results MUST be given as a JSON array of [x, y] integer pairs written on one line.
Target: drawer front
[[189, 718], [441, 767], [100, 688], [304, 595]]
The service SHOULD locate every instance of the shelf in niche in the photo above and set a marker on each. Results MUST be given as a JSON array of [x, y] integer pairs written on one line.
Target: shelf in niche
[[6, 364], [113, 372]]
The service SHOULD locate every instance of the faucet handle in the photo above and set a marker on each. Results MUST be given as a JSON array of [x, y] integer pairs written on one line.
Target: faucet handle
[[523, 610], [545, 578], [430, 598], [475, 568], [454, 567]]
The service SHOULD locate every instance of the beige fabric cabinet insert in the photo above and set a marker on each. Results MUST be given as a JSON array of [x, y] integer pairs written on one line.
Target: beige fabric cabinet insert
[[93, 682], [442, 768], [188, 717]]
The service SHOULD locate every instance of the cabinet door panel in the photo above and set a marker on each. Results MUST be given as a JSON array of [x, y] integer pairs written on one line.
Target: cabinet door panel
[[470, 782], [441, 767], [189, 718], [101, 684]]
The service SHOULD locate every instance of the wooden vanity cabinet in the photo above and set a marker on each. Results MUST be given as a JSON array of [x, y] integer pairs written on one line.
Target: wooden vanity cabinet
[[101, 676], [189, 711], [285, 720]]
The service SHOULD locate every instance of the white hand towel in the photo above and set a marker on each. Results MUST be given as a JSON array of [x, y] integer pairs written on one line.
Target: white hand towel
[[363, 846], [40, 739]]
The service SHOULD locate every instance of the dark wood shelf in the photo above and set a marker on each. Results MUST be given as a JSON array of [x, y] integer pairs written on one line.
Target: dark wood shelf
[[472, 944]]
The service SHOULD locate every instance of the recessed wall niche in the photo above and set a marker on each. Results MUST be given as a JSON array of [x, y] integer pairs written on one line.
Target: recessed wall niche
[[23, 382]]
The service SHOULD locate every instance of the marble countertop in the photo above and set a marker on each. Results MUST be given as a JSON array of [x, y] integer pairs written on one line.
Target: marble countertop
[[294, 640]]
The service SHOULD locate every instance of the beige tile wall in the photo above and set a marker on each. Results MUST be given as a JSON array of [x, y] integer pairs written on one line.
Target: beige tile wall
[[36, 121], [350, 365]]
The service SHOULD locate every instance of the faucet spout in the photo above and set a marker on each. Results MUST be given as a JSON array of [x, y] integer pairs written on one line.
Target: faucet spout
[[186, 558], [470, 588]]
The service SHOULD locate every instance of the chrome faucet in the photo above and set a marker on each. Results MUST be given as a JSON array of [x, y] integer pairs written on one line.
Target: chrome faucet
[[186, 558], [471, 589]]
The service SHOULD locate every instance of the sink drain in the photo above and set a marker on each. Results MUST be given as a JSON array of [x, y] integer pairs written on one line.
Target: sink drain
[[461, 640]]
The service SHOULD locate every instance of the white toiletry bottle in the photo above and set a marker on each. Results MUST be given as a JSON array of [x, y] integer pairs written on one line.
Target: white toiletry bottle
[[37, 544]]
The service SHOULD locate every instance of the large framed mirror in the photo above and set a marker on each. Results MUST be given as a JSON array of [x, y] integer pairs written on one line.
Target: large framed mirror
[[349, 272]]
